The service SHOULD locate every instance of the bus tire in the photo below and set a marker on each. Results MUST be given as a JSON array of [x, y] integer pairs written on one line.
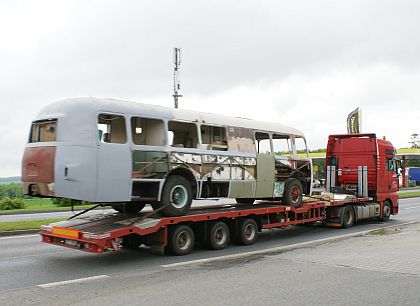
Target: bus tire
[[176, 196], [293, 193], [181, 240], [246, 232], [386, 212], [245, 200], [129, 208], [347, 216], [217, 236]]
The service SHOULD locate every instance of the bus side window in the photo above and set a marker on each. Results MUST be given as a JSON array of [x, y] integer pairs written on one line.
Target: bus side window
[[263, 143], [281, 145], [111, 128], [149, 132], [214, 138], [183, 134], [301, 148]]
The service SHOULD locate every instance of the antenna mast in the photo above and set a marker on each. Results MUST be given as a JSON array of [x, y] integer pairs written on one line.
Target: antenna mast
[[177, 85]]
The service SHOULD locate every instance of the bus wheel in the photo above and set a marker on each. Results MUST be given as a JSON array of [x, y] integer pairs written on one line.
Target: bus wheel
[[386, 212], [293, 193], [245, 201], [347, 216], [176, 196], [181, 240], [217, 237], [246, 232], [129, 208]]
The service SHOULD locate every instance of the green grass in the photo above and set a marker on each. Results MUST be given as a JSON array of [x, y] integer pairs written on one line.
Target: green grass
[[406, 195], [410, 188], [41, 204], [24, 225]]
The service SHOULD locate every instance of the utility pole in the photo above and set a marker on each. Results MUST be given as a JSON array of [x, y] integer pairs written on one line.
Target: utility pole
[[177, 85]]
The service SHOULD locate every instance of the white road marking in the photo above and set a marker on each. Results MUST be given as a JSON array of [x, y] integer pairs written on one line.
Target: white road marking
[[73, 281], [412, 207], [35, 255], [279, 249], [19, 236]]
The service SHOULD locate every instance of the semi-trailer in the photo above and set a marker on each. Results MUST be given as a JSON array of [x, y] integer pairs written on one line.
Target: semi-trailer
[[361, 183]]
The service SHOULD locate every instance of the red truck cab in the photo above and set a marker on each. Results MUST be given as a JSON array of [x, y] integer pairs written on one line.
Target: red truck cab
[[348, 152]]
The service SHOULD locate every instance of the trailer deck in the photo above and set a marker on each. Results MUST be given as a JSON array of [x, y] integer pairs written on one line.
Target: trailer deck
[[106, 231]]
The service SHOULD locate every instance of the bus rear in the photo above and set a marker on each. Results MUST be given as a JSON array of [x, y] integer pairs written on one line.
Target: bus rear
[[39, 159]]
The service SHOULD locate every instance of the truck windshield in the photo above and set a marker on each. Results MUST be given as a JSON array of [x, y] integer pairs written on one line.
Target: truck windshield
[[44, 131]]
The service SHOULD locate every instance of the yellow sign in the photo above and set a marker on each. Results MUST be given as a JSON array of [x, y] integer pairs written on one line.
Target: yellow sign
[[71, 233]]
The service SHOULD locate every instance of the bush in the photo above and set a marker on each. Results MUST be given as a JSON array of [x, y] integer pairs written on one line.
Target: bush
[[64, 202], [11, 190], [10, 204]]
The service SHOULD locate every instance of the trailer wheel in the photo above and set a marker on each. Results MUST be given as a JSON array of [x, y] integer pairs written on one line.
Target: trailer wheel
[[347, 216], [217, 236], [386, 212], [129, 208], [176, 196], [246, 233], [181, 240], [293, 193], [245, 201]]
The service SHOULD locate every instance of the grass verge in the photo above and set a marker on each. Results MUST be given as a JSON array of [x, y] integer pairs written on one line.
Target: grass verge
[[406, 195], [29, 224]]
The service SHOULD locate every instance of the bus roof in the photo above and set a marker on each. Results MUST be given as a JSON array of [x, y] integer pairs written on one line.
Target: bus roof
[[92, 106]]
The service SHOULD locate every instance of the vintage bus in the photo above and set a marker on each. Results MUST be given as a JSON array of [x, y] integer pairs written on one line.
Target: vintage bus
[[132, 154]]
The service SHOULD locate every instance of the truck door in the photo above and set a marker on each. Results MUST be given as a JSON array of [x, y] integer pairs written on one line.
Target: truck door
[[265, 166], [114, 159]]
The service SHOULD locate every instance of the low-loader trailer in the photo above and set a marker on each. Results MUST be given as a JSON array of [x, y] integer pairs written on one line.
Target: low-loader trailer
[[361, 183]]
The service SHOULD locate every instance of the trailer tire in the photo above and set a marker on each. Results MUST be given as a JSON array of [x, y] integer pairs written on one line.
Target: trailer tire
[[293, 193], [245, 200], [347, 217], [217, 236], [181, 240], [386, 212], [176, 196], [246, 232], [129, 208]]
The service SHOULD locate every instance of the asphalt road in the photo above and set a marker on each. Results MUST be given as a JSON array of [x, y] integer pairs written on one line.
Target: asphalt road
[[30, 271]]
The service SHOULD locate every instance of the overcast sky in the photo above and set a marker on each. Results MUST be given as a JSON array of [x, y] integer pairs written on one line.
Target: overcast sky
[[306, 64]]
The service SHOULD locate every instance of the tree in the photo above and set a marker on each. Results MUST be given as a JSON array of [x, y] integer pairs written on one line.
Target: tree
[[415, 141]]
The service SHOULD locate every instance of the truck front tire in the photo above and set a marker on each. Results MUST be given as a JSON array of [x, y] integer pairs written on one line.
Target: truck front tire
[[386, 212]]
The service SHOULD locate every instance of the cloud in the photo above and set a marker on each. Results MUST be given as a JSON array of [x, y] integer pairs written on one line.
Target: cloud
[[302, 63]]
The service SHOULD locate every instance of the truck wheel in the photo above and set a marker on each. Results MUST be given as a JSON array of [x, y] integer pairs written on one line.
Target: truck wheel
[[386, 212], [245, 201], [347, 216], [129, 208], [176, 196], [181, 240], [217, 236], [246, 233], [293, 193]]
